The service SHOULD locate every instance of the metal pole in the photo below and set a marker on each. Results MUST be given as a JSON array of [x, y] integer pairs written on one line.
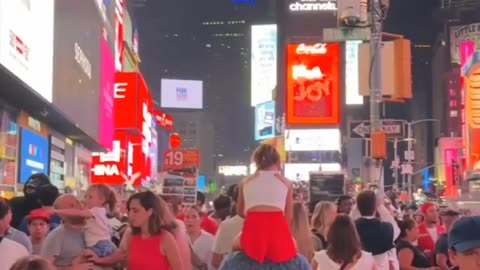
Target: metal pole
[[376, 65], [409, 157], [395, 150], [375, 73]]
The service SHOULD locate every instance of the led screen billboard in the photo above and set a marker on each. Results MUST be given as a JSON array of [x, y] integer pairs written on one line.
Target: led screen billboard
[[181, 94], [34, 155], [461, 34], [301, 171], [77, 63], [263, 63], [313, 140], [308, 18], [106, 124], [26, 42], [352, 80], [265, 120], [313, 84]]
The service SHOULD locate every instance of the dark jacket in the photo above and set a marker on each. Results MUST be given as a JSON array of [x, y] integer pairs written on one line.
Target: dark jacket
[[376, 236]]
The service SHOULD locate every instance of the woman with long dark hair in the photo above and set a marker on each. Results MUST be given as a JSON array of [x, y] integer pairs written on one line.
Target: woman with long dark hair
[[151, 245], [344, 250]]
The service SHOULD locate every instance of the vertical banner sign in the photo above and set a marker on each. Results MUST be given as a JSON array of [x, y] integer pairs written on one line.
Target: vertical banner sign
[[119, 9], [313, 84], [471, 72], [451, 157], [264, 63], [129, 101], [352, 81], [467, 49], [181, 167]]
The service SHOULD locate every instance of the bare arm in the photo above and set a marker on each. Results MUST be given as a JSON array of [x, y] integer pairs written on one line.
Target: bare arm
[[73, 213], [442, 261], [289, 203], [241, 201], [217, 260], [170, 249]]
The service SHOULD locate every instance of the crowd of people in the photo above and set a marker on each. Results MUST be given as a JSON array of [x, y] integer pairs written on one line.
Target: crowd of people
[[257, 224]]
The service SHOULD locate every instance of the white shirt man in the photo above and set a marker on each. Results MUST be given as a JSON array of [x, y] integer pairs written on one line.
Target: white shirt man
[[229, 229], [10, 251]]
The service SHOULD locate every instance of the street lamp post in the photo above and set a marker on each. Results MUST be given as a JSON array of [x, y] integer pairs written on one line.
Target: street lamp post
[[409, 155]]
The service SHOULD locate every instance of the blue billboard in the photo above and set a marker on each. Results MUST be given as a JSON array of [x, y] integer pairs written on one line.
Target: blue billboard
[[265, 120], [34, 155]]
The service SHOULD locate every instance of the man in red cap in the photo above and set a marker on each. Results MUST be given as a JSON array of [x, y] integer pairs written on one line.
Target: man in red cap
[[429, 230], [38, 226]]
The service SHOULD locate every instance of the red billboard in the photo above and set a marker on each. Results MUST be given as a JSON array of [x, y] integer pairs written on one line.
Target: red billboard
[[313, 84], [133, 135], [129, 94], [164, 120]]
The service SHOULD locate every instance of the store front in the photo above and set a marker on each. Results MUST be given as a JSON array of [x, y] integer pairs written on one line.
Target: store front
[[8, 150]]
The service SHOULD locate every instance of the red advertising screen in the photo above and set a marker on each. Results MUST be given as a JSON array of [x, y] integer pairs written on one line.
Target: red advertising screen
[[129, 97], [313, 84], [108, 168]]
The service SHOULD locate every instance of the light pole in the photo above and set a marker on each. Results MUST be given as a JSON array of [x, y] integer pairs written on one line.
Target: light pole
[[410, 152]]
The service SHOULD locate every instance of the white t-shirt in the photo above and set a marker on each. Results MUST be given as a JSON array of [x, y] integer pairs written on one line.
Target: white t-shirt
[[365, 262], [97, 228], [227, 231], [203, 248], [433, 233], [11, 252]]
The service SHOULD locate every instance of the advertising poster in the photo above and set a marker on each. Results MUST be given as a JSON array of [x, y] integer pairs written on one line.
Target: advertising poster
[[77, 63], [34, 155], [313, 140], [313, 84], [181, 94], [472, 111], [26, 47], [264, 63], [106, 124], [129, 97], [265, 120], [461, 34], [181, 174]]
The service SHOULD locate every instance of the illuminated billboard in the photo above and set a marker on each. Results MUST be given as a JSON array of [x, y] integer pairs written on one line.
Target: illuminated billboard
[[352, 80], [26, 48], [313, 84], [313, 140], [263, 63], [301, 171], [181, 94], [471, 72], [309, 6], [461, 34], [233, 170], [265, 120], [78, 63]]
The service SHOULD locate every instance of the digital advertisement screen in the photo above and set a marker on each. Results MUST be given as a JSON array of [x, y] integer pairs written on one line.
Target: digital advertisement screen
[[301, 171], [308, 18], [312, 140], [77, 63], [26, 47], [106, 9], [265, 121], [181, 94], [461, 34], [264, 63], [34, 155], [313, 84], [106, 125], [352, 80]]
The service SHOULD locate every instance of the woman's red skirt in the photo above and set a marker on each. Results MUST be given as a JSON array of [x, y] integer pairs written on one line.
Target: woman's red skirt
[[266, 236]]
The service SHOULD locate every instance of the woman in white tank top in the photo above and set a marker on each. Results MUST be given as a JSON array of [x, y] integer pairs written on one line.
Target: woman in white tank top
[[265, 200], [344, 249]]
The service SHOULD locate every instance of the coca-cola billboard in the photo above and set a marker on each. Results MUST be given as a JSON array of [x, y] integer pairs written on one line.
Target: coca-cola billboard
[[313, 84]]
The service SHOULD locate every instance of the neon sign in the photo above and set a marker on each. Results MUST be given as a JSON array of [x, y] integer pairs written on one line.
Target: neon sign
[[308, 6]]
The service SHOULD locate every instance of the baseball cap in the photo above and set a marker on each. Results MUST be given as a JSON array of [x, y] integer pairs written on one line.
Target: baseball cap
[[39, 214], [465, 234]]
